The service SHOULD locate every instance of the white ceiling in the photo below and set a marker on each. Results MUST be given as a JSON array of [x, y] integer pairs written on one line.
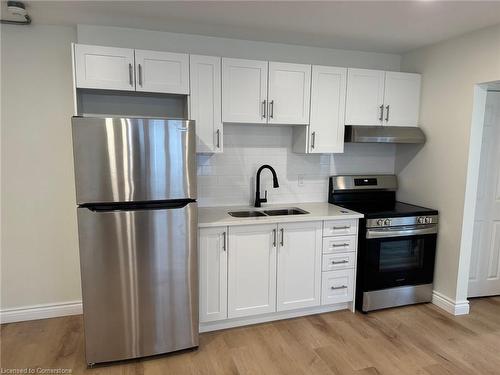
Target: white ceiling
[[390, 26]]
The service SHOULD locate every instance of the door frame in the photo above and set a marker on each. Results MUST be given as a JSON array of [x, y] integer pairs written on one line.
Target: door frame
[[471, 189]]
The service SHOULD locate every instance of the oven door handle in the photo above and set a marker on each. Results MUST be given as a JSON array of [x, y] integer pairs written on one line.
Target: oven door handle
[[401, 231]]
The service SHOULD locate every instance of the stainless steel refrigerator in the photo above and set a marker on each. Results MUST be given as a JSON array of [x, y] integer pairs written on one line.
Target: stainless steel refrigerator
[[137, 226]]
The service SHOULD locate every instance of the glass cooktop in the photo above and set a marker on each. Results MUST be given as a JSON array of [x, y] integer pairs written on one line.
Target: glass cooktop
[[385, 209]]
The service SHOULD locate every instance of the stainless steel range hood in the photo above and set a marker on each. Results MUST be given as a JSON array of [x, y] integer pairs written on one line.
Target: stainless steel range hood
[[383, 134]]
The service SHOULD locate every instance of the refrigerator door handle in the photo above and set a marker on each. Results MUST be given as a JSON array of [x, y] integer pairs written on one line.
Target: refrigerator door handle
[[136, 206]]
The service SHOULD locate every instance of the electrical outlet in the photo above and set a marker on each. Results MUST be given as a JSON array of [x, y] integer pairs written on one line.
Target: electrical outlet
[[300, 180]]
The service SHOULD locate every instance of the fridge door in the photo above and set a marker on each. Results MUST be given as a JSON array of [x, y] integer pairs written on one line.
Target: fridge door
[[133, 159], [139, 281]]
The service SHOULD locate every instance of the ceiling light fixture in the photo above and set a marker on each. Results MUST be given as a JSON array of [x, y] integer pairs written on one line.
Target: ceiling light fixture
[[17, 9]]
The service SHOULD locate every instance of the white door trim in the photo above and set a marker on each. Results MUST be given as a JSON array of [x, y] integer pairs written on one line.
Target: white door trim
[[449, 305]]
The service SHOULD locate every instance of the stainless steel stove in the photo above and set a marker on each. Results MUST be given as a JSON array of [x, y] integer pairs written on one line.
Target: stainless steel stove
[[396, 245]]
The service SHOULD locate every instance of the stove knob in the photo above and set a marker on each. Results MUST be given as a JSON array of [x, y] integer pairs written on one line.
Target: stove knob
[[421, 220], [387, 222], [380, 222], [428, 220]]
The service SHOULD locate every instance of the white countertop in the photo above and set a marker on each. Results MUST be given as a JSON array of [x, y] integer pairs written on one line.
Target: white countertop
[[218, 216]]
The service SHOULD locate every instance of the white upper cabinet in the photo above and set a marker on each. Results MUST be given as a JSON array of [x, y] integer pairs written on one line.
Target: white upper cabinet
[[213, 273], [365, 97], [244, 91], [111, 68], [162, 72], [108, 68], [376, 97], [328, 98], [299, 265], [289, 93], [252, 270], [205, 102], [402, 99]]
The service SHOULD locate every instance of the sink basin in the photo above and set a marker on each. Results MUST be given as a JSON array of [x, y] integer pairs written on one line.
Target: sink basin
[[285, 211], [246, 213]]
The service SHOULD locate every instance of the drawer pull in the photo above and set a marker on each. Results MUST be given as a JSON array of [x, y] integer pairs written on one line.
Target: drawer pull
[[344, 227], [341, 262], [339, 287], [340, 245]]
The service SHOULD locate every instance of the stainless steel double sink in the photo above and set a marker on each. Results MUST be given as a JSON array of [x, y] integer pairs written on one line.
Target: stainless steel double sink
[[276, 212]]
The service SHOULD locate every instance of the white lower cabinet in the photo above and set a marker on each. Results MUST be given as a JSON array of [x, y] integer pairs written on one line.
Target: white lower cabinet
[[337, 287], [255, 273], [212, 245], [299, 265], [252, 270]]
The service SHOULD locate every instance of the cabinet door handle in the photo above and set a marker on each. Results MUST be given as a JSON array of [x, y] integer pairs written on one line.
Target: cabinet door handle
[[387, 113], [218, 138], [130, 75], [282, 243], [313, 140], [341, 262], [271, 109], [339, 287], [140, 74], [381, 113], [224, 241], [274, 237], [264, 108]]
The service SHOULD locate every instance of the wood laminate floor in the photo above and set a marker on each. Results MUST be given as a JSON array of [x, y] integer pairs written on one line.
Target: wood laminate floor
[[411, 340]]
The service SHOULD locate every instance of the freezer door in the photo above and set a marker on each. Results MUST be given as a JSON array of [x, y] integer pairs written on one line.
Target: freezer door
[[139, 281], [133, 159]]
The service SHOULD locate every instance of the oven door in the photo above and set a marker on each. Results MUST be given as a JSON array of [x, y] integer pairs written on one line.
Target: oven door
[[399, 256]]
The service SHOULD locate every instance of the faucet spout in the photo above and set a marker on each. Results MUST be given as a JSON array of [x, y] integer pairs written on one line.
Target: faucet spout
[[258, 199]]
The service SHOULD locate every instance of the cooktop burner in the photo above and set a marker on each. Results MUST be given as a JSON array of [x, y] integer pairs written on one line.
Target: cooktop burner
[[384, 209]]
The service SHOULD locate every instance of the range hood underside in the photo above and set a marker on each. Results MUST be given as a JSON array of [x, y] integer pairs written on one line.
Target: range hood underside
[[383, 134]]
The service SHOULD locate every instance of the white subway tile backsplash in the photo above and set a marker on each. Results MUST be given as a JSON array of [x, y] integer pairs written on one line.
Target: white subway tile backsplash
[[229, 178]]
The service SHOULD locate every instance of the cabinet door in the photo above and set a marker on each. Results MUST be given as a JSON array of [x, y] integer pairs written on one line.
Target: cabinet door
[[328, 96], [205, 81], [289, 93], [365, 97], [244, 91], [107, 68], [213, 273], [163, 72], [401, 99], [252, 270], [299, 265]]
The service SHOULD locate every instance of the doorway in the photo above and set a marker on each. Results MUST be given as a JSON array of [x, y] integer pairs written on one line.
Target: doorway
[[484, 275]]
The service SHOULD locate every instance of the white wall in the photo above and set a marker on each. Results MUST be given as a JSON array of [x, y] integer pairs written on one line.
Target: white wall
[[205, 45], [229, 178], [437, 175], [39, 259]]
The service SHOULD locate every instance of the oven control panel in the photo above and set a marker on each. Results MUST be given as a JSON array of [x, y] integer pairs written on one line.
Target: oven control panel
[[398, 221]]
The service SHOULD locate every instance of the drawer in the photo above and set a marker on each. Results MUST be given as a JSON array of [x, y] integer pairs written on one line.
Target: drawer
[[338, 261], [340, 227], [337, 286], [341, 244]]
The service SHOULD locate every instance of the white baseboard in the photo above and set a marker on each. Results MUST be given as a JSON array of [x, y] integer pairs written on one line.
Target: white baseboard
[[44, 311], [449, 305]]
